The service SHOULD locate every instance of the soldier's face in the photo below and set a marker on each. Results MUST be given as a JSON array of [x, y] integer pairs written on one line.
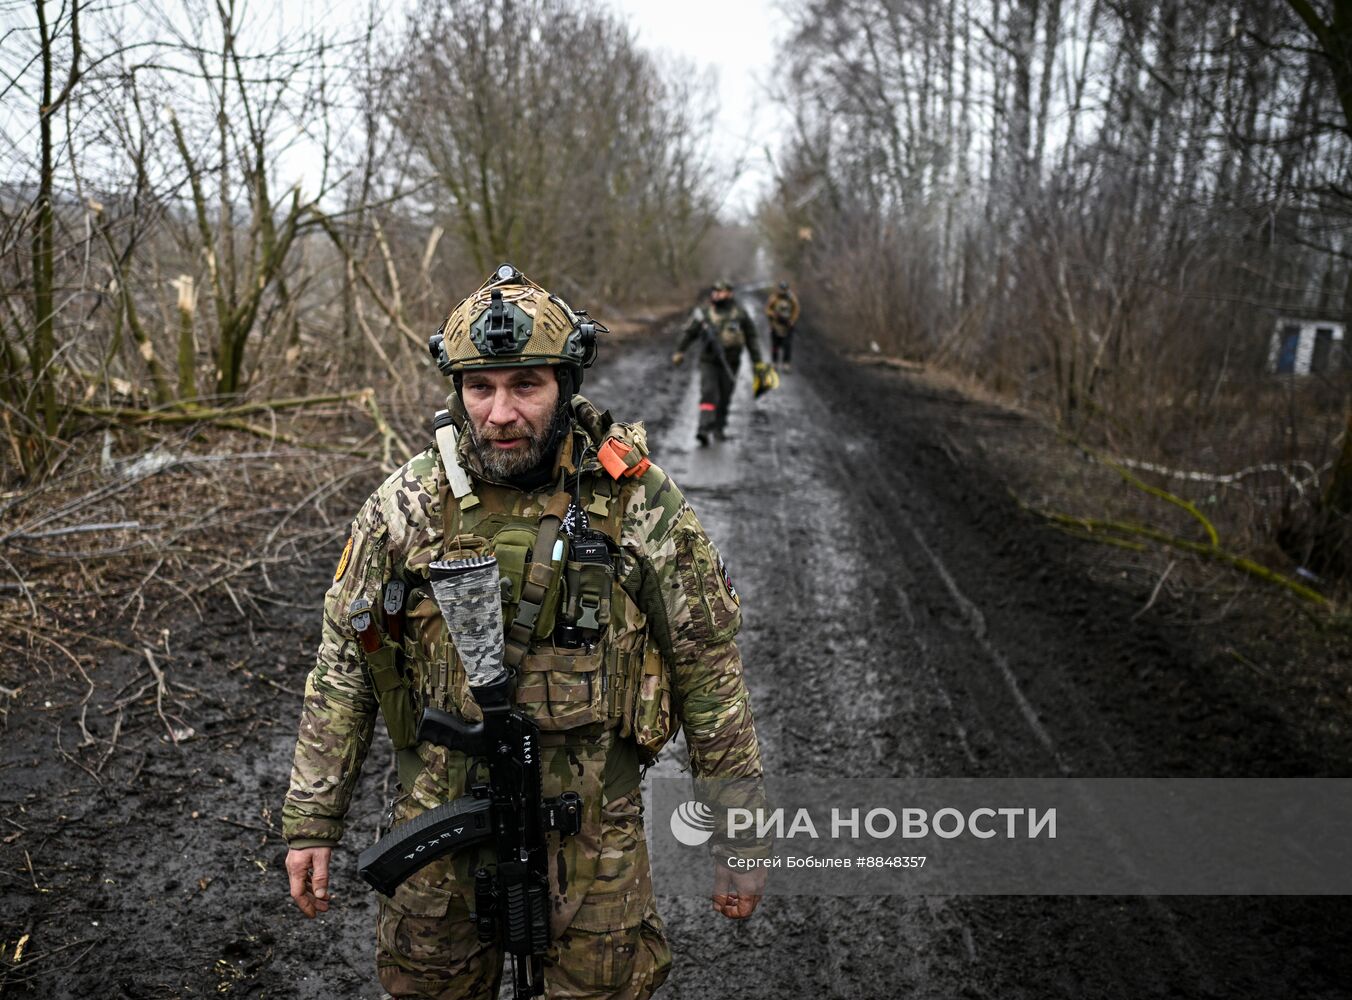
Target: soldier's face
[[511, 414]]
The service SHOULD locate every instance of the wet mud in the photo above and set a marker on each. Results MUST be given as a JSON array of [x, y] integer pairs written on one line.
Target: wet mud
[[903, 617]]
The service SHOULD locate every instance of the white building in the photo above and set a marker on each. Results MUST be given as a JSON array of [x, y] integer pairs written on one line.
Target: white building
[[1307, 347]]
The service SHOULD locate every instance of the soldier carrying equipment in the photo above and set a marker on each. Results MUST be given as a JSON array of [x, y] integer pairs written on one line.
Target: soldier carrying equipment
[[511, 900], [781, 308], [723, 328]]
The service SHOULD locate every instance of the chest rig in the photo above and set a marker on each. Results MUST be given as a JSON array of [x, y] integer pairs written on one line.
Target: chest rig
[[727, 326], [575, 638]]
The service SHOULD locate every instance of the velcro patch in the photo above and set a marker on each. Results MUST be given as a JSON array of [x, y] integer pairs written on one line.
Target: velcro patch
[[727, 581], [343, 560]]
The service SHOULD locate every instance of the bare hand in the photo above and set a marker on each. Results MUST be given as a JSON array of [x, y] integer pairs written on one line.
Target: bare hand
[[308, 870], [737, 893], [677, 357]]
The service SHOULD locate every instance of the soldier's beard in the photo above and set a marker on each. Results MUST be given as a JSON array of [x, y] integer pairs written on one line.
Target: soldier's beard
[[540, 443]]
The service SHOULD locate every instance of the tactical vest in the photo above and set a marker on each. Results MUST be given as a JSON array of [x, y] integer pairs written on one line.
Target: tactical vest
[[589, 663], [728, 327]]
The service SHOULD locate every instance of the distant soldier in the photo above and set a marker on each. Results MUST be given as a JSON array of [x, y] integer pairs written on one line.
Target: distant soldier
[[723, 329], [782, 310]]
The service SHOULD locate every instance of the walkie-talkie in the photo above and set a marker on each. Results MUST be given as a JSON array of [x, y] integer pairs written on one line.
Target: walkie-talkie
[[589, 574]]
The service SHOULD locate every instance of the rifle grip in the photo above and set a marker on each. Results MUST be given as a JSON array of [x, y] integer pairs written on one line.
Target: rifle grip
[[452, 732]]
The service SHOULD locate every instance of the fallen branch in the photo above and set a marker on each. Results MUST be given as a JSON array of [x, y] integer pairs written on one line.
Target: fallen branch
[[22, 584], [189, 414], [72, 760], [387, 434], [1121, 543], [280, 687], [1157, 492], [1094, 527], [80, 529], [269, 434], [159, 696], [1154, 594], [112, 742], [247, 826], [1230, 478]]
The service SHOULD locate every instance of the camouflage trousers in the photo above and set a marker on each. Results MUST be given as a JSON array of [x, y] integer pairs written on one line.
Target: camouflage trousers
[[614, 945]]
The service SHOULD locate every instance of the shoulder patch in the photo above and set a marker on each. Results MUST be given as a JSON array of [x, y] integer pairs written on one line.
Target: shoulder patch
[[727, 581], [343, 560]]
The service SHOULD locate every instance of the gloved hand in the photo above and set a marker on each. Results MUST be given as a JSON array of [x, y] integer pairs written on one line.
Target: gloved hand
[[764, 378], [677, 357]]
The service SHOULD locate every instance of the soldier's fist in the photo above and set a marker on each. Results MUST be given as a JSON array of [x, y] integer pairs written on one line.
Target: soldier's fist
[[737, 893], [678, 357]]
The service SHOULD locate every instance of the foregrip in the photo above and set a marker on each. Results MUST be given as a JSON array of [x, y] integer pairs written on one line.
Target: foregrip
[[412, 845]]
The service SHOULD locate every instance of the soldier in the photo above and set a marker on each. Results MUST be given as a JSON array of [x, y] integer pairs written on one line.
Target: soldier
[[781, 308], [604, 691], [724, 328]]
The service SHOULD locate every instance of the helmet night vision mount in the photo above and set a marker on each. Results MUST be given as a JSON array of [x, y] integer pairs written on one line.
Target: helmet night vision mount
[[511, 322]]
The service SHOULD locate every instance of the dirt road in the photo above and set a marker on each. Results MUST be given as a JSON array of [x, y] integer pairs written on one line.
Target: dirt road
[[903, 617]]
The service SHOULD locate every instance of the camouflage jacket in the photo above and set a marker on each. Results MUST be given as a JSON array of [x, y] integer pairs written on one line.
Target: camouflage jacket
[[782, 308], [667, 566], [733, 327]]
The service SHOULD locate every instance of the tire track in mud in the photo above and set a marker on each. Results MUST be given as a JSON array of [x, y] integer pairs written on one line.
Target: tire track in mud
[[812, 679], [893, 627], [996, 696]]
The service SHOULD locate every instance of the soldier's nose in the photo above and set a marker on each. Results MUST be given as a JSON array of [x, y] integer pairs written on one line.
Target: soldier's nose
[[503, 412]]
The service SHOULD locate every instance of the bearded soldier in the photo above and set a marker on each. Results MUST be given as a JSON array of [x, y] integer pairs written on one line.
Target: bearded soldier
[[723, 328], [781, 309], [635, 639]]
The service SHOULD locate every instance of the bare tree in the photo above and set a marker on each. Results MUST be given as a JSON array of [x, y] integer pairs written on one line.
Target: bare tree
[[580, 159], [30, 334], [1096, 205]]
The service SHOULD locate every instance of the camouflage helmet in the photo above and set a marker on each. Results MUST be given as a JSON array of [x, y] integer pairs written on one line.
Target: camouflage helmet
[[511, 322], [722, 285]]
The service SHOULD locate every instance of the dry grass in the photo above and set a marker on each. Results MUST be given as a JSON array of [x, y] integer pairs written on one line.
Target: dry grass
[[138, 521]]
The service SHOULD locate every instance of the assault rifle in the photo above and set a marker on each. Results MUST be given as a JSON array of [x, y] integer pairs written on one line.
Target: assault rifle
[[511, 898]]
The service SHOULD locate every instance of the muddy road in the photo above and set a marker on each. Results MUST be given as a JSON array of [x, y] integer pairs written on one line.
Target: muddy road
[[903, 617]]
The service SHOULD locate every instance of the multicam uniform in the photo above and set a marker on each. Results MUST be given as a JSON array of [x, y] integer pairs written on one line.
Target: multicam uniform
[[667, 658], [781, 308], [733, 329]]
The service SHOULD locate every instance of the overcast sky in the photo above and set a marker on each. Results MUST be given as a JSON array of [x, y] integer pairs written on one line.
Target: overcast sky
[[739, 39]]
